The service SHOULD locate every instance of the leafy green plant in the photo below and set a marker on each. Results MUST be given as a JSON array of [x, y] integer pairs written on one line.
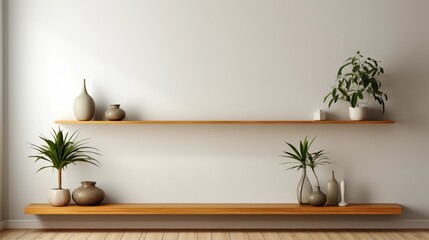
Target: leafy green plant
[[360, 79], [62, 150]]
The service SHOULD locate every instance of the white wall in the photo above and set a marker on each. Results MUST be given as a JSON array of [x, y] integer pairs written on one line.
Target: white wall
[[1, 115], [205, 59]]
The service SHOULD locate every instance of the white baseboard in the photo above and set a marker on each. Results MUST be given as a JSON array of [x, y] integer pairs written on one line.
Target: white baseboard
[[39, 224], [2, 225]]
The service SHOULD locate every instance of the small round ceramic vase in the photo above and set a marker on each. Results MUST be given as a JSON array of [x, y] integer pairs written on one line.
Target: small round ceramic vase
[[84, 105], [115, 113], [88, 194], [317, 198], [59, 197]]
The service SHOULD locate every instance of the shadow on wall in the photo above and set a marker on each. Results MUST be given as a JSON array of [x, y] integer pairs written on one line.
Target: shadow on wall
[[217, 222]]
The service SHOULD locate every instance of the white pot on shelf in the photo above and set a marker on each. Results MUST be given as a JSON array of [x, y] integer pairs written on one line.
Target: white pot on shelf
[[59, 197], [358, 113]]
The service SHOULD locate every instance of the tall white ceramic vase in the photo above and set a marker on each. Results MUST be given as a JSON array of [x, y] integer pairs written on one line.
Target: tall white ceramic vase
[[84, 105]]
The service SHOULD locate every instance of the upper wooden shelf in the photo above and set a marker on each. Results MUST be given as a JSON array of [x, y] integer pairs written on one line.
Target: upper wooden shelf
[[214, 209], [254, 122]]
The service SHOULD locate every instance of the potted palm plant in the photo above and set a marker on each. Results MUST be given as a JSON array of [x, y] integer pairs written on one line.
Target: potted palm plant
[[299, 162], [59, 152], [317, 197], [357, 85], [303, 158]]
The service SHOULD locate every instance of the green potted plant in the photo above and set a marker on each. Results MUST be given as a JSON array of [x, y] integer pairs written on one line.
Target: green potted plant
[[356, 83], [303, 158], [59, 152], [317, 197]]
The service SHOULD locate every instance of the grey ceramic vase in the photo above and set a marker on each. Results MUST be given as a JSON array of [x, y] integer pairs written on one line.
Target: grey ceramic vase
[[332, 191], [115, 113], [84, 105], [317, 198], [88, 194], [304, 188]]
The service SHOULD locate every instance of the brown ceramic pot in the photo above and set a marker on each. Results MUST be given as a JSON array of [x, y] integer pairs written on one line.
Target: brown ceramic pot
[[115, 113], [88, 194]]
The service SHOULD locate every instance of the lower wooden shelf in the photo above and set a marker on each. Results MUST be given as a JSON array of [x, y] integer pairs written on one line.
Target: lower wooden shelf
[[214, 209]]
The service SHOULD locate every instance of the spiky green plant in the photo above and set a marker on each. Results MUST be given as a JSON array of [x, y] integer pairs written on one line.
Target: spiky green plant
[[303, 158], [299, 158], [62, 150], [317, 159]]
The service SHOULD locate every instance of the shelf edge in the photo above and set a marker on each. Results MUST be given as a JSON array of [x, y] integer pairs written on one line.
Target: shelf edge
[[221, 122]]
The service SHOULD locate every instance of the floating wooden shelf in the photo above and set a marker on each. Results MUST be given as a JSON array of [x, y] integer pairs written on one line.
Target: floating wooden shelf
[[214, 209], [254, 122]]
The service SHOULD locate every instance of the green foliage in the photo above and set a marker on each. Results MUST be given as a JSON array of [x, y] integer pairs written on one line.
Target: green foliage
[[360, 79], [62, 150], [300, 156], [317, 159], [303, 158]]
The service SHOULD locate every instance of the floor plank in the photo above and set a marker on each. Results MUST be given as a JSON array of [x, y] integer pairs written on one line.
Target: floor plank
[[204, 235], [143, 235], [238, 236], [97, 236], [347, 235], [10, 234], [255, 236], [286, 235], [170, 236], [30, 235], [63, 235], [46, 235], [302, 235], [423, 235], [319, 235], [14, 234], [80, 235], [399, 236], [376, 235], [114, 236], [220, 236], [271, 236], [332, 235], [187, 236], [153, 236], [131, 236]]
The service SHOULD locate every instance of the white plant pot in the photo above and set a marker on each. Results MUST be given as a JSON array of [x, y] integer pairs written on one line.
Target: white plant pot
[[59, 197], [358, 113]]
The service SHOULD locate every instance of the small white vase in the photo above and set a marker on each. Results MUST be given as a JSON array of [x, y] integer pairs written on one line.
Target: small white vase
[[343, 202], [358, 113], [59, 197]]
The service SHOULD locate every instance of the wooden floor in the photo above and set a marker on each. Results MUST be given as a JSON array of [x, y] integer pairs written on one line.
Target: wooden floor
[[10, 234]]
